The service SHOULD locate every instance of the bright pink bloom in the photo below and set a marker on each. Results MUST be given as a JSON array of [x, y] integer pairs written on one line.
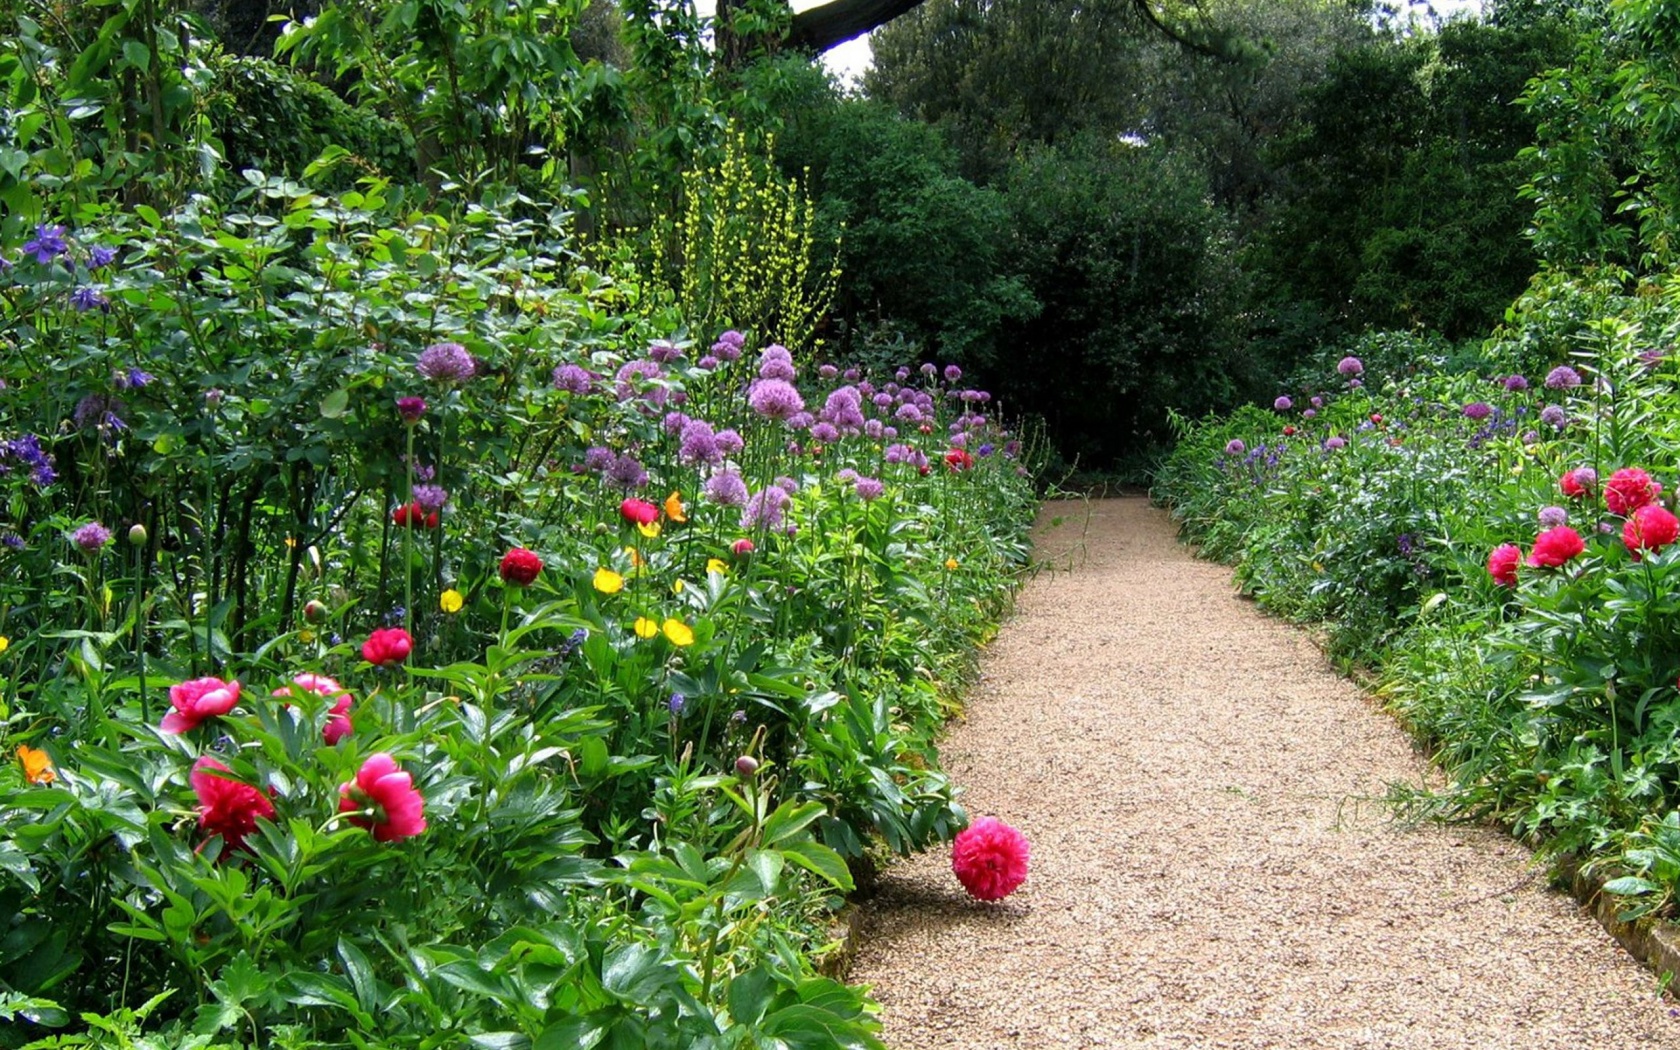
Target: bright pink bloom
[[387, 646], [990, 859], [958, 459], [338, 717], [196, 700], [639, 511], [1629, 489], [227, 807], [742, 547], [1651, 528], [520, 567], [1578, 482], [1502, 564], [383, 788], [1556, 546]]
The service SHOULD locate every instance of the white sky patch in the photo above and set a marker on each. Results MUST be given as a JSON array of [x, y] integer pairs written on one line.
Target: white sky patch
[[848, 61]]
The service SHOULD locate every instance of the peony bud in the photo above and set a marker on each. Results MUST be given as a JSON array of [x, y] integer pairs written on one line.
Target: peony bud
[[315, 611], [137, 535], [746, 766]]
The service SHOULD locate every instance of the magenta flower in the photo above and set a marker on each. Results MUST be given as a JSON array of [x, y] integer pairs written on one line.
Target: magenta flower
[[990, 858], [384, 799], [196, 700], [91, 537], [227, 807]]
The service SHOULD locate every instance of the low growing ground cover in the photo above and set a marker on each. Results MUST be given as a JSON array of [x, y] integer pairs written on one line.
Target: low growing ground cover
[[1498, 546], [413, 637]]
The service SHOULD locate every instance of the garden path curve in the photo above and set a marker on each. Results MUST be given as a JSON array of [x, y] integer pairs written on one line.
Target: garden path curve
[[1212, 865]]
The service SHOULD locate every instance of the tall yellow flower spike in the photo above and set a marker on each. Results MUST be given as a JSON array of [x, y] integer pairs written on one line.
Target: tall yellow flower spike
[[37, 767], [646, 628], [674, 508], [678, 632], [608, 582]]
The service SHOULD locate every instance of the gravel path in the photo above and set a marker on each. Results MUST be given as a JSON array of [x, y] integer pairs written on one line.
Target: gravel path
[[1212, 865]]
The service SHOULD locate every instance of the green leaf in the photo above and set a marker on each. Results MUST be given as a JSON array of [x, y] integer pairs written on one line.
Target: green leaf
[[820, 861], [335, 404], [578, 1033], [1630, 886], [789, 819]]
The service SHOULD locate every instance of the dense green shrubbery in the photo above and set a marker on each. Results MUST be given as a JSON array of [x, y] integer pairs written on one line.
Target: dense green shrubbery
[[221, 461], [1551, 695]]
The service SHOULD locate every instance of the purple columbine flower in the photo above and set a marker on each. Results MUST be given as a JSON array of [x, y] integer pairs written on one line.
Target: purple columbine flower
[[1350, 366], [100, 257], [91, 537], [88, 297], [49, 244], [99, 411], [1562, 378], [775, 399], [1283, 404], [447, 363], [411, 409], [138, 378]]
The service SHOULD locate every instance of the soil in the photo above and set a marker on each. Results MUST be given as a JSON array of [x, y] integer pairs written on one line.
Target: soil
[[1213, 864]]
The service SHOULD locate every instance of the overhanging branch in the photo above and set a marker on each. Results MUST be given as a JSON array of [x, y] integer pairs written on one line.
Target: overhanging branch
[[834, 23]]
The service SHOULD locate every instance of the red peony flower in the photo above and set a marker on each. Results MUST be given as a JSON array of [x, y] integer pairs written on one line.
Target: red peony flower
[[958, 459], [227, 807], [387, 646], [1629, 489], [990, 859], [1289, 431], [520, 567], [1651, 528], [1578, 482], [1502, 564], [197, 700], [1554, 547], [413, 516], [386, 798], [639, 511], [338, 717]]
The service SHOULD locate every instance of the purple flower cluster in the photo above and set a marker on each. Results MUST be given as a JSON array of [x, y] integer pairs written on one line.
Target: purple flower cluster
[[91, 537], [26, 451], [574, 379], [775, 398], [776, 363], [49, 244], [1562, 378], [447, 363], [725, 488], [729, 345], [99, 412], [764, 508]]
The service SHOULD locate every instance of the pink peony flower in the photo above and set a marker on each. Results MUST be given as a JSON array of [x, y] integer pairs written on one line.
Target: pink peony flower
[[1555, 547], [1651, 528], [387, 646], [338, 717], [520, 567], [227, 807], [1629, 489], [196, 700], [639, 511], [385, 799], [1502, 564], [990, 859], [742, 547]]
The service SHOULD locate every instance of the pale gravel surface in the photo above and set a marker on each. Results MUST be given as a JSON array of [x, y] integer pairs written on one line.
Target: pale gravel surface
[[1211, 865]]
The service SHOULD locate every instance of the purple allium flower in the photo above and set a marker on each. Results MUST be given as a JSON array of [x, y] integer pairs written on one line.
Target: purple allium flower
[[851, 375], [664, 351], [869, 489], [776, 363], [846, 476], [1283, 404], [411, 409], [764, 509], [675, 421], [929, 369], [1552, 517], [827, 371], [1316, 401], [775, 399], [725, 488], [873, 429], [91, 537], [633, 375], [1477, 410], [787, 484], [598, 459], [1355, 384], [1235, 447], [1555, 416], [952, 373], [430, 497], [1529, 437], [882, 400], [1350, 366], [1562, 378], [729, 441], [89, 297], [700, 444], [801, 421], [824, 433], [728, 346], [48, 245], [573, 379], [1515, 382], [100, 257], [707, 363], [446, 363], [897, 454], [1309, 413], [213, 398], [626, 471], [1335, 442]]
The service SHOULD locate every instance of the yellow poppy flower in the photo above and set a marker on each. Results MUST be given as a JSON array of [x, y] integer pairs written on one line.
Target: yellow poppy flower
[[306, 636], [37, 767], [951, 564], [608, 582], [716, 565], [5, 643], [450, 601], [646, 628], [678, 632], [650, 530], [674, 508], [677, 587]]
